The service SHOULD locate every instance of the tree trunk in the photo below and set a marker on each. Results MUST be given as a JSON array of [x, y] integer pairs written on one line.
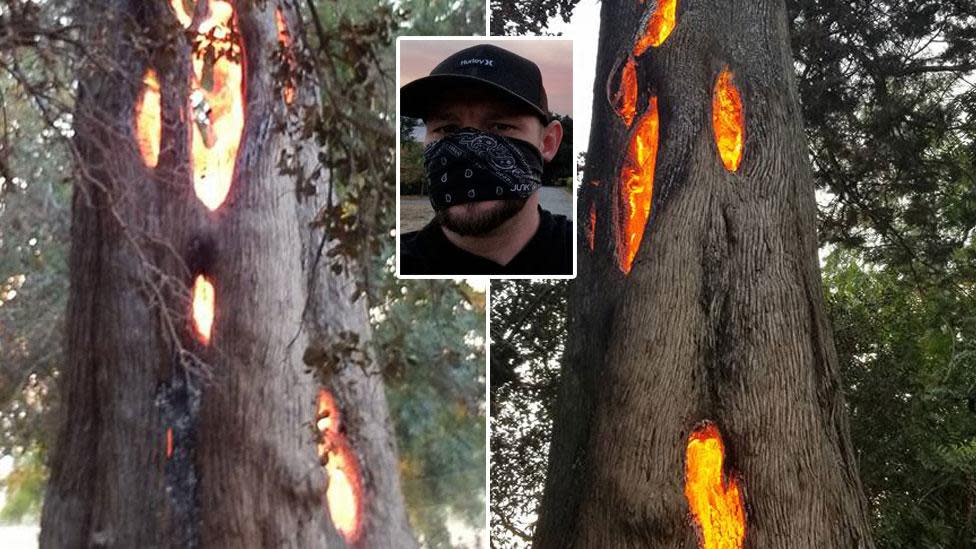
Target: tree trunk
[[169, 438], [720, 318]]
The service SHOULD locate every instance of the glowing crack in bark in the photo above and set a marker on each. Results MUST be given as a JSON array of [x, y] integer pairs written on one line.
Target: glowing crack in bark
[[727, 120], [658, 27], [216, 100], [148, 119], [204, 300], [344, 494], [636, 187], [284, 40], [591, 229], [715, 501], [169, 443], [625, 100]]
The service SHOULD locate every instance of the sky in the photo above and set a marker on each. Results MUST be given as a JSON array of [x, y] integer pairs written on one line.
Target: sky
[[584, 29], [553, 55]]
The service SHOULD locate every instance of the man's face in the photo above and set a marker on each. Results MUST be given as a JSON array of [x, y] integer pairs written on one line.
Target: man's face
[[489, 111]]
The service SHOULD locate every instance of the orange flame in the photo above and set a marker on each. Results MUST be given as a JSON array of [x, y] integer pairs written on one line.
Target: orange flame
[[204, 299], [181, 13], [591, 230], [217, 100], [715, 502], [169, 443], [284, 39], [625, 101], [148, 119], [636, 187], [659, 26], [344, 493], [727, 120]]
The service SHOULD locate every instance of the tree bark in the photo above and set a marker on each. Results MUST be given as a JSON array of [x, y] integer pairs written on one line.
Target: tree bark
[[721, 317], [166, 441]]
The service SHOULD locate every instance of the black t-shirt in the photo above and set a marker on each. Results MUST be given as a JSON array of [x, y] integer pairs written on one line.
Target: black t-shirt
[[548, 252]]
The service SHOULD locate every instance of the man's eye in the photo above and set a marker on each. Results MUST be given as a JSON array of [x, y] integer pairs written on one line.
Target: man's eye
[[446, 128], [502, 127]]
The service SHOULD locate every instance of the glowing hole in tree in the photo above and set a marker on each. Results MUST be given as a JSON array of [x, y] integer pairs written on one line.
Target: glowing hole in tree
[[591, 230], [148, 119], [169, 443], [625, 100], [727, 120], [204, 299], [216, 99], [636, 187], [284, 40], [344, 494], [715, 501], [658, 27]]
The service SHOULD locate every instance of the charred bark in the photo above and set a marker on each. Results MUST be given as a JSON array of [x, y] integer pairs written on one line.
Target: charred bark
[[166, 441], [721, 317]]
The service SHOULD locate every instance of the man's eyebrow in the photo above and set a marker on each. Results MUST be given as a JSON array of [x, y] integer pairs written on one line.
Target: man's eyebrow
[[442, 115]]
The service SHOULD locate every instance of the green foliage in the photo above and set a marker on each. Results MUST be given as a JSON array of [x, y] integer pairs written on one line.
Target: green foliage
[[909, 366], [889, 103], [24, 488], [528, 331], [430, 337], [444, 17], [413, 179], [527, 17]]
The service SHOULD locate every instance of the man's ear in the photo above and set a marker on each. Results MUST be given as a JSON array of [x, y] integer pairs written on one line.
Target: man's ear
[[552, 136]]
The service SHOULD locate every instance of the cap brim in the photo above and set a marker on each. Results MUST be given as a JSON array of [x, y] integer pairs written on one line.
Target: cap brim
[[416, 98]]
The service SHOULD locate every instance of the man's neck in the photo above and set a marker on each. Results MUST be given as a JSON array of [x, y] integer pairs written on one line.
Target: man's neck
[[505, 242]]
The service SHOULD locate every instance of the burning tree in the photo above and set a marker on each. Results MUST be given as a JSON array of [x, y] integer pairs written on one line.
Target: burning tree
[[700, 396], [203, 292]]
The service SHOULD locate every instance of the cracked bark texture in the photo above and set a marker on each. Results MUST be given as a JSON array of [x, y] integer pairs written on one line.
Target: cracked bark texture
[[721, 317], [138, 235]]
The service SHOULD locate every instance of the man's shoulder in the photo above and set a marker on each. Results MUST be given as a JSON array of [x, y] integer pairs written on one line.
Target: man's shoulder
[[560, 228], [420, 250], [556, 241]]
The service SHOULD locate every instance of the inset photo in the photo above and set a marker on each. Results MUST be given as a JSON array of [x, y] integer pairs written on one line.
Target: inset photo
[[485, 157]]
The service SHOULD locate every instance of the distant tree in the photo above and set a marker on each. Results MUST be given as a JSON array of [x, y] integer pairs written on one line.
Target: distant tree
[[521, 17], [698, 317]]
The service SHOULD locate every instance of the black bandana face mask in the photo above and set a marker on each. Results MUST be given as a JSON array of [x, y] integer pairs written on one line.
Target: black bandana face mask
[[470, 165]]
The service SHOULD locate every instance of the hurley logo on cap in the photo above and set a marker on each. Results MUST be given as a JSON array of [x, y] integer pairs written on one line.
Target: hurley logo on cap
[[485, 62]]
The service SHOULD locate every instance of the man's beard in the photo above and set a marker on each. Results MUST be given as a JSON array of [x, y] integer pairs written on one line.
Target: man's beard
[[469, 222]]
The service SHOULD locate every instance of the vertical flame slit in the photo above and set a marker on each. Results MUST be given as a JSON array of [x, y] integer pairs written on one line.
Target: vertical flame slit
[[284, 40], [204, 299], [715, 501], [625, 101], [148, 119], [636, 187], [591, 229], [659, 26], [216, 100], [727, 120], [344, 494]]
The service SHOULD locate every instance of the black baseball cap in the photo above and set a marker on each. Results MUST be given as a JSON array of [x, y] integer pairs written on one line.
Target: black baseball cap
[[486, 65]]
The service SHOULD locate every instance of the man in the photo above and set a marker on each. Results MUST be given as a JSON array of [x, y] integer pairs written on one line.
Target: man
[[488, 132]]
